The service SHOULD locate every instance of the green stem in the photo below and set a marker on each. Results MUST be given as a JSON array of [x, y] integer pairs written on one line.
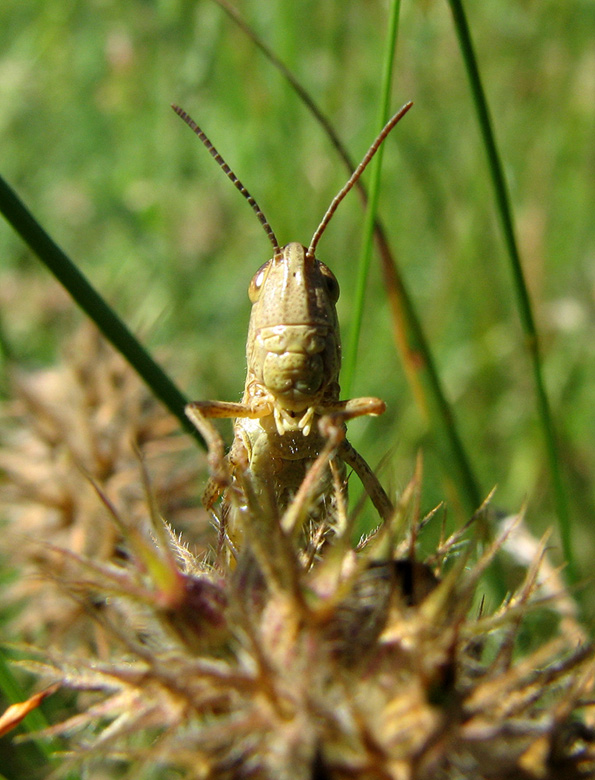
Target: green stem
[[372, 207], [523, 299], [93, 304]]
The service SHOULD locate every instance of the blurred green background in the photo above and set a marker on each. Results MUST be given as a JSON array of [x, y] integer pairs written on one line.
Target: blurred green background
[[90, 143]]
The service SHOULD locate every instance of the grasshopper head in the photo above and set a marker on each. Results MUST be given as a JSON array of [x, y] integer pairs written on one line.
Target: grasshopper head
[[293, 347]]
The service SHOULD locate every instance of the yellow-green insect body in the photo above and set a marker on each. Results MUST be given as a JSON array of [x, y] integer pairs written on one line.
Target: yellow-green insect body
[[290, 416]]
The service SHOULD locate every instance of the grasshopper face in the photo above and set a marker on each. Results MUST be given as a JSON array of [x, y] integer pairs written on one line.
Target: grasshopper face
[[293, 348]]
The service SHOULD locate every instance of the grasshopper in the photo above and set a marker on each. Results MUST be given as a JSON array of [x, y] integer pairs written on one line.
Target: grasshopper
[[290, 412]]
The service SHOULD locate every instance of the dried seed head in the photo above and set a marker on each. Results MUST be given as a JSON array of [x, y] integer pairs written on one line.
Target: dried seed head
[[342, 668]]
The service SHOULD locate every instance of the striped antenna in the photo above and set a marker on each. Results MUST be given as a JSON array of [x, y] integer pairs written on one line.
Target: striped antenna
[[355, 176], [231, 175]]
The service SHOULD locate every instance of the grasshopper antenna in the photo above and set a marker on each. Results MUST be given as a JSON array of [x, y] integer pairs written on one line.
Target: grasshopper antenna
[[231, 175], [355, 176]]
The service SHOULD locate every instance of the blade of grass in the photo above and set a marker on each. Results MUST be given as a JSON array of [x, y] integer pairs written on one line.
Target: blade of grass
[[522, 294], [376, 168], [93, 304], [416, 356]]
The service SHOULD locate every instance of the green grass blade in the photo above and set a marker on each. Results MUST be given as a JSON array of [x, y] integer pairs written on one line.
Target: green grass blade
[[433, 400], [93, 304], [35, 720], [376, 168], [424, 380], [522, 294]]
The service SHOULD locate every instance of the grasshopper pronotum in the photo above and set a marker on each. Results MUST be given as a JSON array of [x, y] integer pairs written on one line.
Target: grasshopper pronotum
[[290, 411]]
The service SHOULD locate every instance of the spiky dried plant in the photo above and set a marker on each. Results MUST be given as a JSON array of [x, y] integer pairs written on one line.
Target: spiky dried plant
[[295, 658], [80, 423], [362, 664]]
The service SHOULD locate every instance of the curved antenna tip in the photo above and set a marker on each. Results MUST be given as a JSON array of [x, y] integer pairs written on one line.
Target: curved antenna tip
[[230, 175], [356, 175]]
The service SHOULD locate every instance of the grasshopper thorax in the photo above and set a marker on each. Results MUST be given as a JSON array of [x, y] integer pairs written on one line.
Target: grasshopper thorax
[[293, 349]]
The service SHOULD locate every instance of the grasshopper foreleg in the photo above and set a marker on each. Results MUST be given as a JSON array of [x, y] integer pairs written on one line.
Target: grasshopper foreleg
[[355, 407], [226, 409], [340, 414], [220, 476]]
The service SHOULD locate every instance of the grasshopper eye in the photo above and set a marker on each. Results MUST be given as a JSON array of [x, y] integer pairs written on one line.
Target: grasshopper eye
[[257, 282], [330, 282]]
